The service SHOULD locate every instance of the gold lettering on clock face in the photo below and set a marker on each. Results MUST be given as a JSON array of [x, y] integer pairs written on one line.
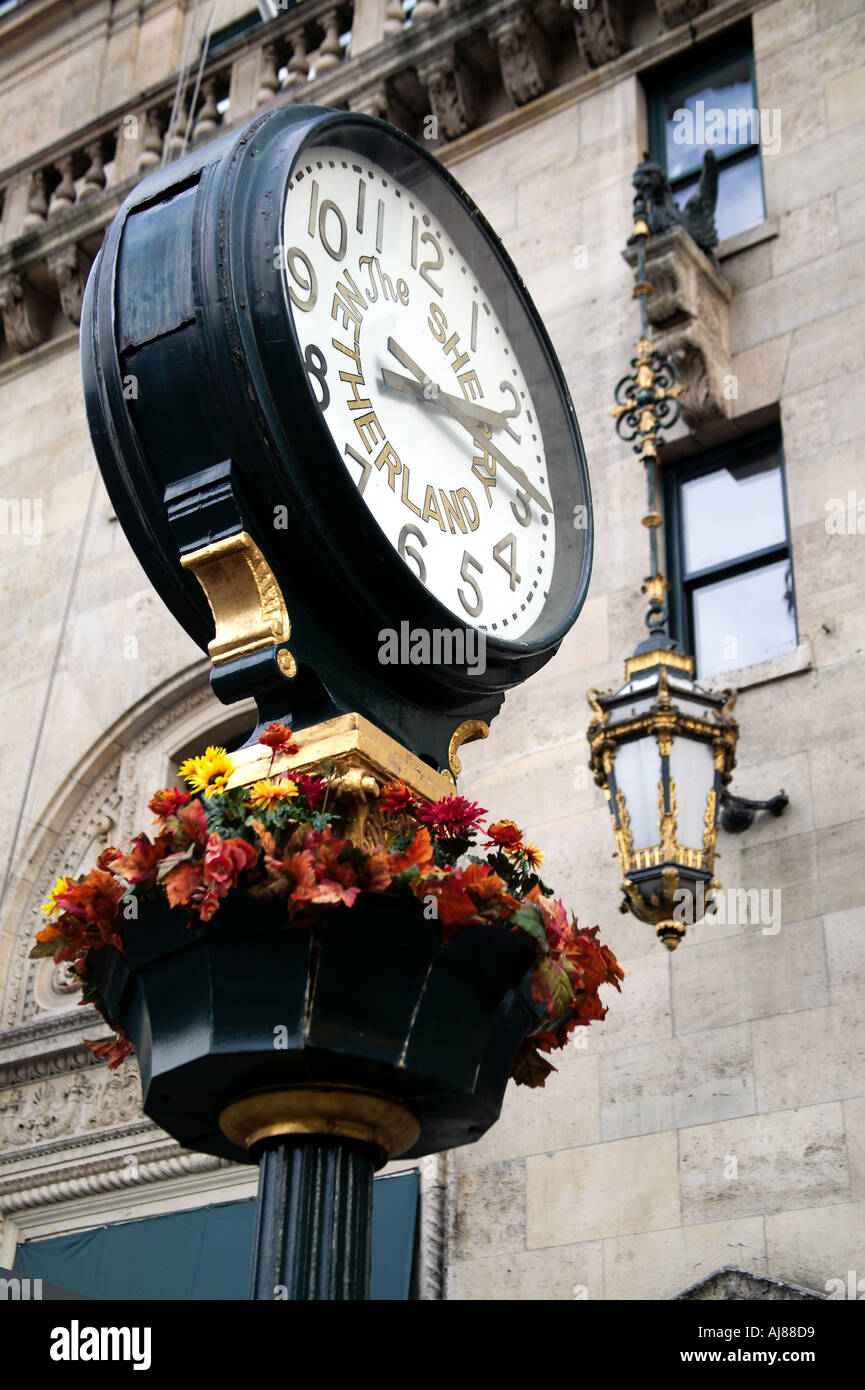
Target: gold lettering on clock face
[[420, 388]]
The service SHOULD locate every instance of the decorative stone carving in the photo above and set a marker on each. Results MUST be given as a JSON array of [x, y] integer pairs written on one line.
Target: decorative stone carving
[[26, 313], [688, 311], [600, 29], [523, 57], [76, 1103], [68, 268], [675, 12], [451, 94], [297, 68], [112, 1173]]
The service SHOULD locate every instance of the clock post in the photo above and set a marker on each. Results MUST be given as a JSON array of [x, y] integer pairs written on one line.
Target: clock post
[[338, 440]]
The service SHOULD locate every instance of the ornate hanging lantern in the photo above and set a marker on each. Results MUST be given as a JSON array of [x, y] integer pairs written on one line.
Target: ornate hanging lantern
[[662, 747]]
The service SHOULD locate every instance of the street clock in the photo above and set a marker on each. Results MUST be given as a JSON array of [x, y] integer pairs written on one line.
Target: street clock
[[310, 366]]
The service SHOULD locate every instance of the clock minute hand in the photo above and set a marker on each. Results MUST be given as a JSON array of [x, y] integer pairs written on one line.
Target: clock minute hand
[[515, 471], [480, 414]]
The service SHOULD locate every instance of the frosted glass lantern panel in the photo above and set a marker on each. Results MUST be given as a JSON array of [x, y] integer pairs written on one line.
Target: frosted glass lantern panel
[[692, 768], [638, 771]]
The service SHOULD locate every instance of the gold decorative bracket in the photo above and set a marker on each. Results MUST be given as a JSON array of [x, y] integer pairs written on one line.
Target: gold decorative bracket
[[245, 599], [468, 732]]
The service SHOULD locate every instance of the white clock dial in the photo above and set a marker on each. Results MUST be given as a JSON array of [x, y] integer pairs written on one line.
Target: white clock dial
[[421, 389]]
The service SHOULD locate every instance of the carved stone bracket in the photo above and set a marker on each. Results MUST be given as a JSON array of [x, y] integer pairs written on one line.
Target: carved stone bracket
[[689, 313], [26, 313], [523, 57], [673, 12], [69, 267], [451, 94], [600, 29]]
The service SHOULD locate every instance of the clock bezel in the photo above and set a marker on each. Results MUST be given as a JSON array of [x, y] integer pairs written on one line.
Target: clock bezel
[[310, 432]]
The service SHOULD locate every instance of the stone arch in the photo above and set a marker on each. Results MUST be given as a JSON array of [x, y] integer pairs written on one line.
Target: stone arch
[[103, 800]]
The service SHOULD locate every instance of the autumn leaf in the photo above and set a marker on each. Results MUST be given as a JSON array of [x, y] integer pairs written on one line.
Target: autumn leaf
[[419, 852], [530, 1068]]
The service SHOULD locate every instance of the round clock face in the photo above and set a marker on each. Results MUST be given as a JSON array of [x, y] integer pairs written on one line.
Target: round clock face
[[423, 354]]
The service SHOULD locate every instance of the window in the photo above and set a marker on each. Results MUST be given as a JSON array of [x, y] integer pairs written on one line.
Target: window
[[731, 574], [712, 104]]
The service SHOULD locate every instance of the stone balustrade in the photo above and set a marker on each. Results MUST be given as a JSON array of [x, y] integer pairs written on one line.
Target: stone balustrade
[[454, 66]]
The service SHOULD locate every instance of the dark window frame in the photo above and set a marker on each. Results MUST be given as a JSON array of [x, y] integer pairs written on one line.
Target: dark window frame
[[681, 75], [684, 583]]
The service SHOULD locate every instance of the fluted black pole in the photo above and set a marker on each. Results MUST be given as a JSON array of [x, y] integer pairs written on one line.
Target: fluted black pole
[[313, 1220]]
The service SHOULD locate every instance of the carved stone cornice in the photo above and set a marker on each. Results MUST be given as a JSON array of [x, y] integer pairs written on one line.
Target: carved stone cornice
[[689, 314], [524, 58], [77, 1102]]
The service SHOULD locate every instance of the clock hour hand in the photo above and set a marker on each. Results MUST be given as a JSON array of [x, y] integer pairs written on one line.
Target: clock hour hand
[[463, 419], [478, 413]]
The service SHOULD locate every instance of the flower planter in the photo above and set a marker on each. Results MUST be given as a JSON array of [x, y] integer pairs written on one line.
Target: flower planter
[[369, 997]]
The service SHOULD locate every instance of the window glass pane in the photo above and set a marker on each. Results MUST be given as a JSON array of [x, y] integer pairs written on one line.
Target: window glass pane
[[718, 113], [732, 511], [740, 621], [740, 196]]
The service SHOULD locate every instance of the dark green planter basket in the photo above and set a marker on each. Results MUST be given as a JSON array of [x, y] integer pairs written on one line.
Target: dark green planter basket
[[368, 997]]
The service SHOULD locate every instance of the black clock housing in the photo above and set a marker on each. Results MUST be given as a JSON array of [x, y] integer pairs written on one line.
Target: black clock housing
[[205, 424]]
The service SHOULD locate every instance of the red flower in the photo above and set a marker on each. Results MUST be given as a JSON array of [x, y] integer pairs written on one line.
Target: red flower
[[194, 822], [396, 799], [142, 862], [168, 802], [506, 834], [93, 899], [277, 737], [225, 861], [313, 788], [452, 817]]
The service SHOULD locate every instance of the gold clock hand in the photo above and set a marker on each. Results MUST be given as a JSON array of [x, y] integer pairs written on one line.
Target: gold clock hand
[[514, 469], [480, 414]]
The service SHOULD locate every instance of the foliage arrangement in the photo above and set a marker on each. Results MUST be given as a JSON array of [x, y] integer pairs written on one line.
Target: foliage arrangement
[[280, 839]]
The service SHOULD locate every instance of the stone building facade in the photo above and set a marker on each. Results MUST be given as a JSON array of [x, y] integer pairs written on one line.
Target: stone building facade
[[717, 1117]]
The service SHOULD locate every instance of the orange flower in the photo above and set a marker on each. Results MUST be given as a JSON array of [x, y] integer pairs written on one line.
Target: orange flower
[[277, 737], [506, 834], [396, 798], [419, 852]]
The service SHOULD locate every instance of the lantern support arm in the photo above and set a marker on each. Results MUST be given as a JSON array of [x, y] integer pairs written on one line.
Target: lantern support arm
[[737, 812]]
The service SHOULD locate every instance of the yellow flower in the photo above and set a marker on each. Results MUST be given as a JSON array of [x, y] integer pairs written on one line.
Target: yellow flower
[[209, 773], [265, 795], [59, 888], [533, 855]]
